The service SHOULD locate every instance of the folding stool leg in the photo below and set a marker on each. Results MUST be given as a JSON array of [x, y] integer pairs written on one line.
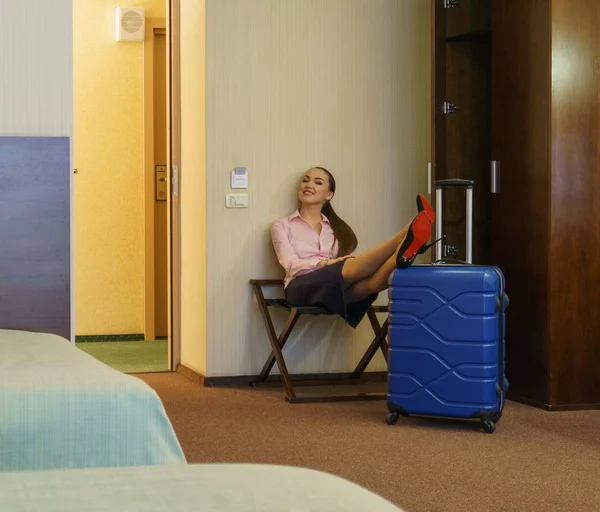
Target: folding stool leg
[[378, 342], [262, 303], [377, 328], [283, 337]]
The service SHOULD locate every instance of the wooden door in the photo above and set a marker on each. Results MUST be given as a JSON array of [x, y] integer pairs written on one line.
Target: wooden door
[[461, 118], [35, 249], [161, 265], [520, 211], [574, 223], [156, 193]]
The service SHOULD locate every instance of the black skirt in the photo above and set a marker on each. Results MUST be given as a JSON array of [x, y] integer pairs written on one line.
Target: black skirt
[[325, 288]]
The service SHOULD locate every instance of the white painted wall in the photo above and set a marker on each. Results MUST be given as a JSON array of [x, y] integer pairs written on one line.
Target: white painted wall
[[36, 73]]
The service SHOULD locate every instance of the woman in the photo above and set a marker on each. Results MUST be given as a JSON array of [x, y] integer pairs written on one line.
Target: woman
[[315, 247]]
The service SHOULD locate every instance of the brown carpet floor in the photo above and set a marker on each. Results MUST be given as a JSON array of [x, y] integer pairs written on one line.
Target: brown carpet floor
[[535, 461]]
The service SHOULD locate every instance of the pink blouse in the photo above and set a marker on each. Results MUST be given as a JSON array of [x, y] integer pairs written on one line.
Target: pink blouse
[[299, 247]]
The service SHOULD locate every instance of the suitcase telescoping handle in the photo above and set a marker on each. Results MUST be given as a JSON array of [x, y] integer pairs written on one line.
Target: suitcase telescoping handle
[[439, 186]]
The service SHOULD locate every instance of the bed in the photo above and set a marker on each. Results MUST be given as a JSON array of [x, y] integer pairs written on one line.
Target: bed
[[61, 408], [206, 487]]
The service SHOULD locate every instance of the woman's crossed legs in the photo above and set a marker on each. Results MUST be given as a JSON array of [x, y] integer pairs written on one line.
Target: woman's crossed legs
[[368, 273]]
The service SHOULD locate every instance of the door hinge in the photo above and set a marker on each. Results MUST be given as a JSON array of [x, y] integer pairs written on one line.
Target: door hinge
[[448, 108], [449, 4], [450, 251], [175, 180]]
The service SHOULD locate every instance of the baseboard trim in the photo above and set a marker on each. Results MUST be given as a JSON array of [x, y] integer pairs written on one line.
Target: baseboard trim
[[244, 381], [557, 408], [190, 374], [108, 337], [238, 381]]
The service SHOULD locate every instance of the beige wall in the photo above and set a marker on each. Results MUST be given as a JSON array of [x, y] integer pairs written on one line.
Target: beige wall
[[193, 186], [291, 84], [109, 155], [36, 91]]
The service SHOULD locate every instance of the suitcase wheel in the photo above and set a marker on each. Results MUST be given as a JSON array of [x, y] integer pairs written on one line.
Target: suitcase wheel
[[392, 418], [488, 426]]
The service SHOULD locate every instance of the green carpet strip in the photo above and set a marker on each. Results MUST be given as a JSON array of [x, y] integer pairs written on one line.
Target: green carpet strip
[[129, 356]]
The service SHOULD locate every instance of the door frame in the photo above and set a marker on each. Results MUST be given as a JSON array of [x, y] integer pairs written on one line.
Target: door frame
[[170, 26], [174, 166], [437, 83]]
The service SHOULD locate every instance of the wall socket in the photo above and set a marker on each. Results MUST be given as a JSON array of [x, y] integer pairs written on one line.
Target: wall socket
[[236, 200]]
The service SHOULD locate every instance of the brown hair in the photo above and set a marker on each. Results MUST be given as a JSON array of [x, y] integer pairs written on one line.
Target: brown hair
[[343, 233]]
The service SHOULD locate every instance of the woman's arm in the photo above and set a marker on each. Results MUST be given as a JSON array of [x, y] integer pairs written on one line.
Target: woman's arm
[[286, 255]]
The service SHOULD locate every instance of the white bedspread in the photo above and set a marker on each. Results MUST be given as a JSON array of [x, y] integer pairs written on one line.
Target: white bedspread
[[202, 487], [61, 408]]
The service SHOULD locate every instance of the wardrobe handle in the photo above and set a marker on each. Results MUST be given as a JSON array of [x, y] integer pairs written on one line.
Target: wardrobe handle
[[495, 178], [429, 178]]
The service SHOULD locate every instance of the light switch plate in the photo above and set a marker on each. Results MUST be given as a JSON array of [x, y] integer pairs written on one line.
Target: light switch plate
[[236, 200]]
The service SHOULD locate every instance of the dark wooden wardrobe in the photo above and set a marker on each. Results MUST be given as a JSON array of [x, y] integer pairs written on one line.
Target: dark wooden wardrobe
[[517, 82]]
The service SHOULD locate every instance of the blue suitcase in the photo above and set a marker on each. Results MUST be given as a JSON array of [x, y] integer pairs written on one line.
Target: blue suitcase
[[446, 336]]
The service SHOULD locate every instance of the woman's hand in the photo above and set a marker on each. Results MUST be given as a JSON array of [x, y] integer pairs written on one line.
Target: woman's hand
[[322, 263]]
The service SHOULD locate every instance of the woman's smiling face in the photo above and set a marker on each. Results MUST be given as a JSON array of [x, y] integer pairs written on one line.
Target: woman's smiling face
[[314, 188]]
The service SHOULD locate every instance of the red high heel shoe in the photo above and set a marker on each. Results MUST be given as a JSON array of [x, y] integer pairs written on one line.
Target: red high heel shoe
[[424, 206], [415, 241]]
